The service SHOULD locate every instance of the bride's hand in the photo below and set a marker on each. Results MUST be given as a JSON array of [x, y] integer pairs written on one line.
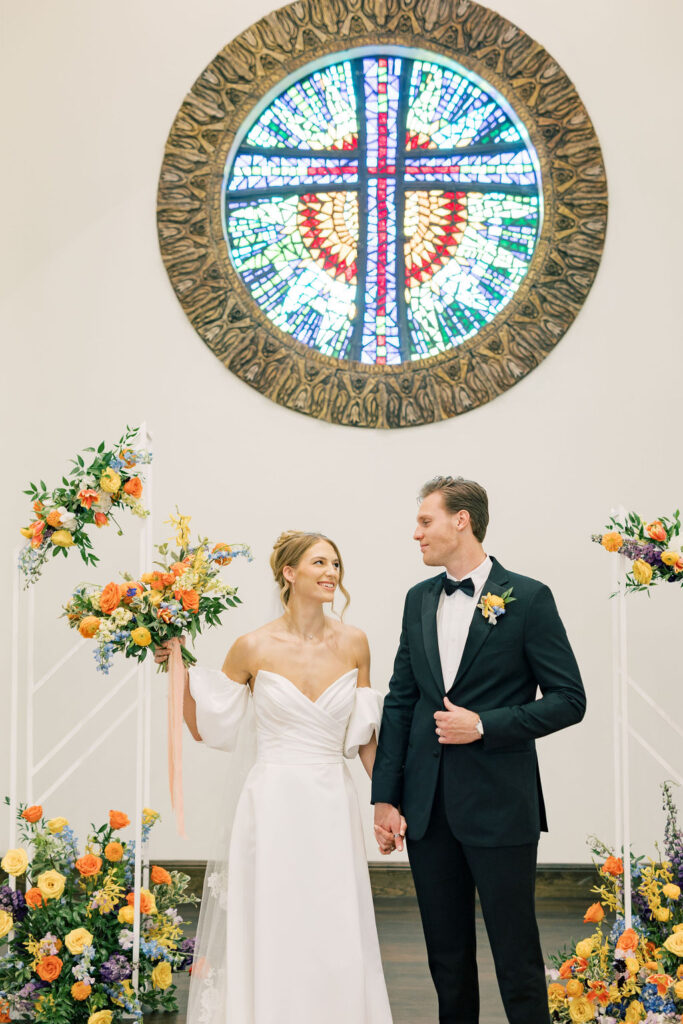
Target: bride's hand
[[163, 650]]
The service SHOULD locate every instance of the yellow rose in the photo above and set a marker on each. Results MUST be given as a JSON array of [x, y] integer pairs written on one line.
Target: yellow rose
[[110, 482], [678, 990], [670, 557], [678, 927], [126, 915], [161, 975], [141, 636], [671, 891], [661, 913], [6, 922], [675, 942], [584, 948], [14, 862], [51, 884], [642, 571], [635, 1012], [76, 940], [101, 1017], [55, 825], [581, 1010], [62, 538]]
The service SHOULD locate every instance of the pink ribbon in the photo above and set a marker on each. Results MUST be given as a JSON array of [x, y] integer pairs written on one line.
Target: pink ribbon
[[176, 687]]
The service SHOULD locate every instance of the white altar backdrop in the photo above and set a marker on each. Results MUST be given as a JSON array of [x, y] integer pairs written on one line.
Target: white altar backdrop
[[94, 338]]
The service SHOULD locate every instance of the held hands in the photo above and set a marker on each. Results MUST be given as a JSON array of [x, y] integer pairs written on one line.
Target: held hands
[[390, 828], [456, 725]]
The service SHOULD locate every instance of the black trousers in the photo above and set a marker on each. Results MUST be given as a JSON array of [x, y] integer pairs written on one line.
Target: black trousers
[[446, 874]]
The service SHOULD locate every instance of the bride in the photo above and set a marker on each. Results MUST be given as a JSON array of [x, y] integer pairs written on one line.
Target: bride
[[298, 942]]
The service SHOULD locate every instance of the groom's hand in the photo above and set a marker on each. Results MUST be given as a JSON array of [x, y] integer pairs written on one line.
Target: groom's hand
[[456, 725], [390, 827]]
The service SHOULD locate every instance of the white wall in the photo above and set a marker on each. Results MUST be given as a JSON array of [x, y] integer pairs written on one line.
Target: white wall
[[94, 338]]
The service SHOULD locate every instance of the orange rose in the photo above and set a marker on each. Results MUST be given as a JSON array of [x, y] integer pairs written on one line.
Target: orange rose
[[594, 914], [80, 990], [613, 866], [612, 541], [89, 865], [117, 819], [628, 940], [160, 876], [49, 968], [33, 814], [89, 626], [110, 598], [133, 487], [146, 901], [100, 520], [34, 898], [656, 530], [190, 599], [113, 852], [54, 518]]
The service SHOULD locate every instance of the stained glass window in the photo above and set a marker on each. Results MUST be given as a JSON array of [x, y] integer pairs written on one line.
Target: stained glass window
[[383, 208]]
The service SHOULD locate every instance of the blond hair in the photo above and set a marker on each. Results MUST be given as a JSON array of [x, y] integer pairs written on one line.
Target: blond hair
[[289, 549]]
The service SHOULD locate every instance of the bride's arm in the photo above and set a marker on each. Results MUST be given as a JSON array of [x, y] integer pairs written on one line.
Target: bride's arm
[[367, 751]]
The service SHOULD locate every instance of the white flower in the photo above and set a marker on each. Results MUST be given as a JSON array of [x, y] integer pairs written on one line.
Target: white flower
[[104, 502], [126, 938], [67, 519]]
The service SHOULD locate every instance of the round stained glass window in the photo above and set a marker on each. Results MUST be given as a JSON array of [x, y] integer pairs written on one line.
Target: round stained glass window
[[382, 214], [383, 208]]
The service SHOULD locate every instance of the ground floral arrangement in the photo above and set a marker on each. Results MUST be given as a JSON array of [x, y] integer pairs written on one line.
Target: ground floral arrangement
[[649, 546], [91, 494], [69, 933], [628, 974], [179, 596]]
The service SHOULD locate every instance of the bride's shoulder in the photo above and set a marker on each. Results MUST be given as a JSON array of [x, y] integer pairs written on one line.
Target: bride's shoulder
[[356, 642]]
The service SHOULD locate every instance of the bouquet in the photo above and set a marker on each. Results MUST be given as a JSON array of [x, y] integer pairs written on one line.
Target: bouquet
[[70, 955], [649, 546], [628, 974], [91, 494]]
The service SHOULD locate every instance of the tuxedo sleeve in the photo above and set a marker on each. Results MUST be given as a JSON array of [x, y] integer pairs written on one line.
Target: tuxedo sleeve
[[397, 716], [554, 668]]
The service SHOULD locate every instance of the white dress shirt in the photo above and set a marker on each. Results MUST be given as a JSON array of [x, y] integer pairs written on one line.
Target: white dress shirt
[[453, 620]]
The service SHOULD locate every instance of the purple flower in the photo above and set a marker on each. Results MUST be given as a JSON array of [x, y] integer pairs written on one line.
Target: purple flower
[[187, 947], [116, 968], [13, 902]]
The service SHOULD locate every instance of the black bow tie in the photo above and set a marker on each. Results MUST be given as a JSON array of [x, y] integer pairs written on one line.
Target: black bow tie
[[466, 585]]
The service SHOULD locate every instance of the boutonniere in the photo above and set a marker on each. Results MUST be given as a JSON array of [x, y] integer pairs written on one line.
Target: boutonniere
[[494, 605]]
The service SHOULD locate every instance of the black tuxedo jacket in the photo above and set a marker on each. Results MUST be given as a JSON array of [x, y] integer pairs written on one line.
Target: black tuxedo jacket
[[492, 787]]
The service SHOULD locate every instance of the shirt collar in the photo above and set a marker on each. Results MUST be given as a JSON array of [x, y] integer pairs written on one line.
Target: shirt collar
[[478, 575]]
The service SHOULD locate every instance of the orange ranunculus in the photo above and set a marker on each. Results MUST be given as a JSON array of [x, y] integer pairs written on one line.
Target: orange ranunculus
[[113, 851], [147, 901], [89, 626], [225, 559], [594, 914], [574, 987], [662, 981], [54, 518], [89, 865], [33, 813], [88, 497], [656, 530], [110, 598], [117, 819], [178, 569], [628, 939], [612, 541], [100, 519], [34, 898], [160, 876], [165, 614], [80, 990], [129, 591], [190, 599], [575, 964], [613, 866], [49, 968], [133, 487]]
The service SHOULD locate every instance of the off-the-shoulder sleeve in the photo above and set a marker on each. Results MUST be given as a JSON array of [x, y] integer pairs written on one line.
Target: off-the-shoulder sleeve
[[364, 720], [221, 705]]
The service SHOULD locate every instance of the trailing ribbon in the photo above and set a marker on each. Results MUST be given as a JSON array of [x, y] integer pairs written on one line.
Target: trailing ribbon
[[176, 687]]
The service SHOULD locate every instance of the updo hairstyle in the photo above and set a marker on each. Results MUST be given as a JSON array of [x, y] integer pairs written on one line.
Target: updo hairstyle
[[289, 549]]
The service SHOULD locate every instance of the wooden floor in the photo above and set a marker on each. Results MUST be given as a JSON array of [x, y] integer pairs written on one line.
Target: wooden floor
[[405, 964]]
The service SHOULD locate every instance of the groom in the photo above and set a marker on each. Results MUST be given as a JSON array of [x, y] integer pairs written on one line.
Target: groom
[[456, 752]]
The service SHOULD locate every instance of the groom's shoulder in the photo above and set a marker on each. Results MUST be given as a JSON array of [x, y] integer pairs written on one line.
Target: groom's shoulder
[[526, 585]]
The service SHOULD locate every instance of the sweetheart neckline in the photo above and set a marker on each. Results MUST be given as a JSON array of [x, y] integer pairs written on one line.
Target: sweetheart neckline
[[278, 675]]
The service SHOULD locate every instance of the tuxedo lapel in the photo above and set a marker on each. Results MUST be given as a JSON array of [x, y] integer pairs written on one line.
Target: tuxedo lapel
[[430, 603], [481, 628]]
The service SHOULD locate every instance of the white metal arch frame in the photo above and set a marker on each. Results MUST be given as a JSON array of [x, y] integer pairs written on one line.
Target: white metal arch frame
[[25, 687]]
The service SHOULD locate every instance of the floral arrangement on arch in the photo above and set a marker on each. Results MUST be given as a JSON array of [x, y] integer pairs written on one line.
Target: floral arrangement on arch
[[91, 494], [69, 934], [182, 593], [649, 546], [627, 974]]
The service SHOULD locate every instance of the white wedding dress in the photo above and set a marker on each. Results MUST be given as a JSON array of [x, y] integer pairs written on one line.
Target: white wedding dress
[[298, 942]]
